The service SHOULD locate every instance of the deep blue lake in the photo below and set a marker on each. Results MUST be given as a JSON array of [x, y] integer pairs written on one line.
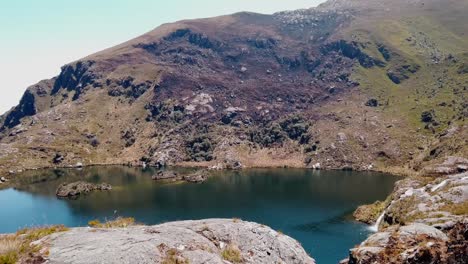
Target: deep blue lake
[[313, 207]]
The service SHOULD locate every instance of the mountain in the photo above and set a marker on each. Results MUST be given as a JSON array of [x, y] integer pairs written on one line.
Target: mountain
[[351, 84]]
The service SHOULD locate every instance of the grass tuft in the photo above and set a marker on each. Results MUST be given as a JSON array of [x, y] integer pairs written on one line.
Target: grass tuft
[[456, 208], [34, 234], [232, 253], [173, 257], [120, 222], [18, 246]]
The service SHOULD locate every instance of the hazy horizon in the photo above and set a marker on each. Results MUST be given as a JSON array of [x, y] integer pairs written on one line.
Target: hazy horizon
[[41, 36]]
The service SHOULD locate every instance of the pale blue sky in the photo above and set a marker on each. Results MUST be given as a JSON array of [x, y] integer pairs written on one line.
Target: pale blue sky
[[39, 36]]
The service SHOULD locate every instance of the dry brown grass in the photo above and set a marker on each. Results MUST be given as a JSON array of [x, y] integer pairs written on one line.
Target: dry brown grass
[[120, 222], [9, 246], [232, 254], [9, 243], [457, 209], [173, 257], [18, 246], [34, 234]]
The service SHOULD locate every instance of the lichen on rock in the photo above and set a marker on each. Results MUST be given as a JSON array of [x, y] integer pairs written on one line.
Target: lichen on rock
[[203, 241]]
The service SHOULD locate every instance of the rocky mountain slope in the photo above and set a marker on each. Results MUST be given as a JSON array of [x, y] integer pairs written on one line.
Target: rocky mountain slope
[[350, 84]]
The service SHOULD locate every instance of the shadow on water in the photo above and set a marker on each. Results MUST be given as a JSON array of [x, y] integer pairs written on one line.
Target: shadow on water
[[314, 207], [321, 226]]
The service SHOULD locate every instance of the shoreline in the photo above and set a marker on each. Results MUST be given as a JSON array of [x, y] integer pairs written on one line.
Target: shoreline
[[390, 170], [395, 219]]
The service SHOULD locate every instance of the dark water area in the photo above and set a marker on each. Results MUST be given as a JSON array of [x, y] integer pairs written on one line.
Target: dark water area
[[313, 207]]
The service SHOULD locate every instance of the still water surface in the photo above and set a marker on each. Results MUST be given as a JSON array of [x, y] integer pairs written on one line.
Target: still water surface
[[313, 207]]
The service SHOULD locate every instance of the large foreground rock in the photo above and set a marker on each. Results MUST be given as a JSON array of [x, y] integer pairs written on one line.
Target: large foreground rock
[[206, 241]]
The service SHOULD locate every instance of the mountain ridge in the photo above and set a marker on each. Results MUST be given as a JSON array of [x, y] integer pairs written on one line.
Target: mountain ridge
[[336, 86]]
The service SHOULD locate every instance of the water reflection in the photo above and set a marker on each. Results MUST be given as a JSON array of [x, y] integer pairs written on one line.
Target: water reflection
[[311, 206]]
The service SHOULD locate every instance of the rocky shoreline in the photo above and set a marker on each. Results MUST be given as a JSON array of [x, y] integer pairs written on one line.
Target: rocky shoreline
[[10, 175], [425, 220]]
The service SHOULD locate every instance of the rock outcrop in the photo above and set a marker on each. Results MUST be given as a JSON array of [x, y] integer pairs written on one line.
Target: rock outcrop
[[425, 220], [450, 166], [206, 241], [433, 201], [77, 188], [194, 177], [414, 243], [165, 175]]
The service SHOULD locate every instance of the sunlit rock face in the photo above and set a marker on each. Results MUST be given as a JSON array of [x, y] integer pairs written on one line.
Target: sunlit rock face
[[204, 241]]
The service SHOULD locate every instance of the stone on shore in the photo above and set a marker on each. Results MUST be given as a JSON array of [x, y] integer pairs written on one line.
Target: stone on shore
[[165, 175], [196, 177]]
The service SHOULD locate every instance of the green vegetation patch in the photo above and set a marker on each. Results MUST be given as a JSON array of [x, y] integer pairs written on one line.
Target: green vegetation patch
[[293, 127], [167, 111], [200, 148], [370, 212]]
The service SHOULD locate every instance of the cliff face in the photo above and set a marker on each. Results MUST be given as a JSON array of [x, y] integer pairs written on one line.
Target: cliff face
[[350, 84]]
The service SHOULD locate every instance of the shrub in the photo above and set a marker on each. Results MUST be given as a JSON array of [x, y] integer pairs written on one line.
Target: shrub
[[200, 148], [268, 136], [94, 142], [167, 111], [293, 127], [311, 148], [427, 116]]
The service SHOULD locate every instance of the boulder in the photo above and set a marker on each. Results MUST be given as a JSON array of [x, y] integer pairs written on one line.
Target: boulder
[[58, 158], [77, 188], [196, 177], [216, 241], [233, 164], [372, 103], [316, 166], [342, 137], [451, 165], [415, 243], [165, 175]]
